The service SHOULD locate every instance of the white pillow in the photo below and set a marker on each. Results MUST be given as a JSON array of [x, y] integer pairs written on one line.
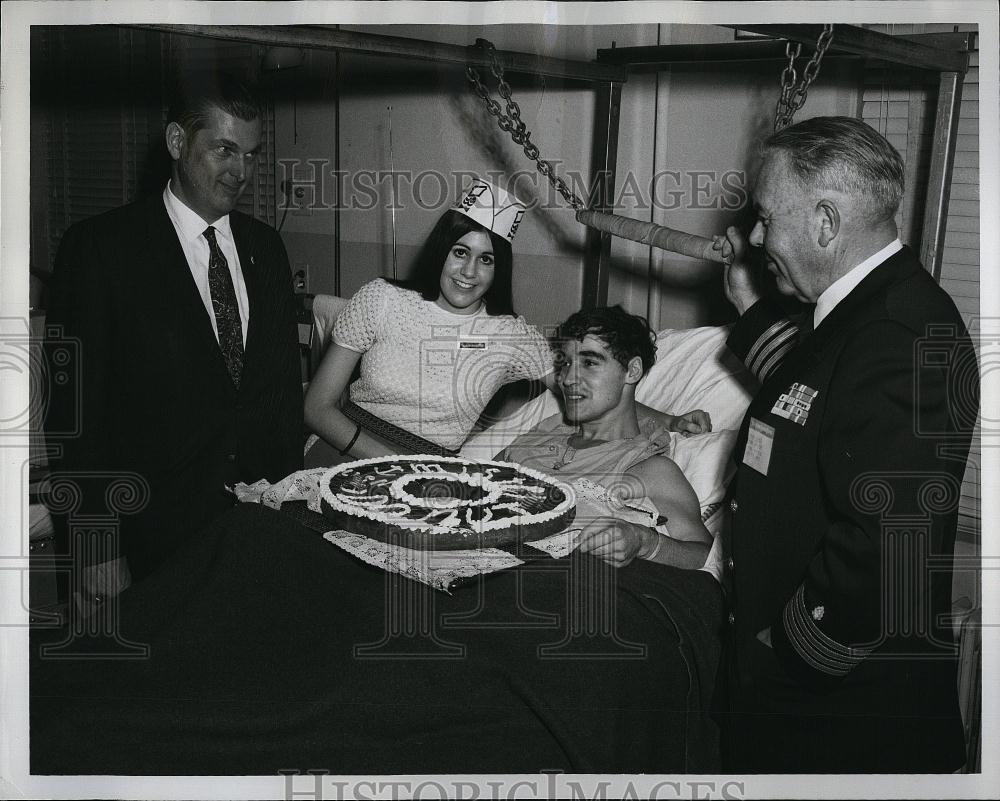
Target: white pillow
[[695, 370], [704, 461]]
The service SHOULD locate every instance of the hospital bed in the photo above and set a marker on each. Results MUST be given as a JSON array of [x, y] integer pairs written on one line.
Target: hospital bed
[[693, 370]]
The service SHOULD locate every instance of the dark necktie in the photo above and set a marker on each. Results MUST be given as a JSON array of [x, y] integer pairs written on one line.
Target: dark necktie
[[227, 313]]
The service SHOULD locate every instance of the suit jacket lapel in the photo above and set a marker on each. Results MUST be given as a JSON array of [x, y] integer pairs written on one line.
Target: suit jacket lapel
[[246, 247], [172, 276], [838, 320]]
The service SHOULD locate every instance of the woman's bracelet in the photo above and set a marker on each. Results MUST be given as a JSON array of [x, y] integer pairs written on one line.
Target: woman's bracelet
[[349, 445], [656, 550]]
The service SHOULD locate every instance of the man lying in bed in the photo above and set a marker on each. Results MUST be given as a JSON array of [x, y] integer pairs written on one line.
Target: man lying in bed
[[601, 357], [269, 650]]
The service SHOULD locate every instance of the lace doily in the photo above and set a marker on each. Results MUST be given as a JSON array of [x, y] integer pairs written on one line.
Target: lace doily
[[300, 486], [441, 569]]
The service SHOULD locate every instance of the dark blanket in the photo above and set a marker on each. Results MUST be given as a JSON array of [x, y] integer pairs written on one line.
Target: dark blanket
[[271, 649]]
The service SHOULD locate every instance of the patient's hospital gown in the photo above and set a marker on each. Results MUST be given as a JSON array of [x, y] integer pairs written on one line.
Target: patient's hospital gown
[[547, 448]]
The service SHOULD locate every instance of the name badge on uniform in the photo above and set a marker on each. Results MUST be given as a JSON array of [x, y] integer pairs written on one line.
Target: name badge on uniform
[[760, 440], [473, 344]]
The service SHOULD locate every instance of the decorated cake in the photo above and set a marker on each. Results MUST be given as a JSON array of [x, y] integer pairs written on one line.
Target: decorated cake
[[444, 502]]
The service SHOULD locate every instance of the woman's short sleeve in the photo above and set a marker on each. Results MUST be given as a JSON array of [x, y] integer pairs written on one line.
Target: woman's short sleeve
[[356, 327], [532, 356]]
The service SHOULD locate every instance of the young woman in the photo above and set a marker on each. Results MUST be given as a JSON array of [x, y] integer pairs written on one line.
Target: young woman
[[435, 350]]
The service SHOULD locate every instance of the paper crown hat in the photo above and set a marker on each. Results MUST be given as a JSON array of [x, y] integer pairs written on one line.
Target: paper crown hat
[[493, 208]]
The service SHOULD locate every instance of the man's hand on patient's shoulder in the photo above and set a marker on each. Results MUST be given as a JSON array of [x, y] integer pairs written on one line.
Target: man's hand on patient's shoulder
[[616, 541]]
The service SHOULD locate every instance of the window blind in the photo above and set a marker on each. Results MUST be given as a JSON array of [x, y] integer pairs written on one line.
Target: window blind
[[97, 133], [901, 105]]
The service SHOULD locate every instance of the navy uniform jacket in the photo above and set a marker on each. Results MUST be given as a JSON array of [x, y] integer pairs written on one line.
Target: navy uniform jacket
[[150, 395], [850, 462]]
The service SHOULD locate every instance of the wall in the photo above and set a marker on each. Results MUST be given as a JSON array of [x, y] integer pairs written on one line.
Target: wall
[[305, 130], [696, 121], [699, 137], [440, 127]]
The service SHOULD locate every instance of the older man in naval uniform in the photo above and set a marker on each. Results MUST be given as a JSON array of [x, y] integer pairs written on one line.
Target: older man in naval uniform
[[850, 463]]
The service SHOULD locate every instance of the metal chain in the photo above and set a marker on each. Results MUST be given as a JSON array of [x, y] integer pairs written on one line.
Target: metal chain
[[512, 123], [789, 78], [793, 95]]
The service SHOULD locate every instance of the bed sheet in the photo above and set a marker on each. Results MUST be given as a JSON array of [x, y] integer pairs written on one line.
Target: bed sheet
[[269, 650]]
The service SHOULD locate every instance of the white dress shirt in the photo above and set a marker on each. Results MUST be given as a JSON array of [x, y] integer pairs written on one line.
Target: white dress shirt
[[842, 287], [190, 228]]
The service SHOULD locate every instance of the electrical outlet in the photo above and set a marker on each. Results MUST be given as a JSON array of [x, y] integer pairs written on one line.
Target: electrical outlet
[[299, 208], [295, 198], [300, 277]]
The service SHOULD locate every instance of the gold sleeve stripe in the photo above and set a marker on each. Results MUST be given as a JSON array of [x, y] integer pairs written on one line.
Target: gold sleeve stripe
[[773, 338], [815, 647], [775, 358]]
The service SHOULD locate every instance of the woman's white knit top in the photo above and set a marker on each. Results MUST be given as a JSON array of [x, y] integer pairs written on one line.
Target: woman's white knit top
[[431, 371]]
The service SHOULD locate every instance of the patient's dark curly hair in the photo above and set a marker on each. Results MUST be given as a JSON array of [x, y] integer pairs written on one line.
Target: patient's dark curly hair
[[626, 335]]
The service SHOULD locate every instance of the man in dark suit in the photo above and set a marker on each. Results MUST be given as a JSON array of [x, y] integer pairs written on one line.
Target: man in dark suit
[[189, 370], [850, 463]]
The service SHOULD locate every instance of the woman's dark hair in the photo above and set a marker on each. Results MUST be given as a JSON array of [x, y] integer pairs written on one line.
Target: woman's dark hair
[[626, 335], [452, 226]]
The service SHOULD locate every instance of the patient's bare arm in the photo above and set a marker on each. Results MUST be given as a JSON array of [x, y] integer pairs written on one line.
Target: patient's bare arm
[[697, 421], [619, 542]]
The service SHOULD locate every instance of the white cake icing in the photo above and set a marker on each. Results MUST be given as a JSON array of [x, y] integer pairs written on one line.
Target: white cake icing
[[376, 490], [493, 491]]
